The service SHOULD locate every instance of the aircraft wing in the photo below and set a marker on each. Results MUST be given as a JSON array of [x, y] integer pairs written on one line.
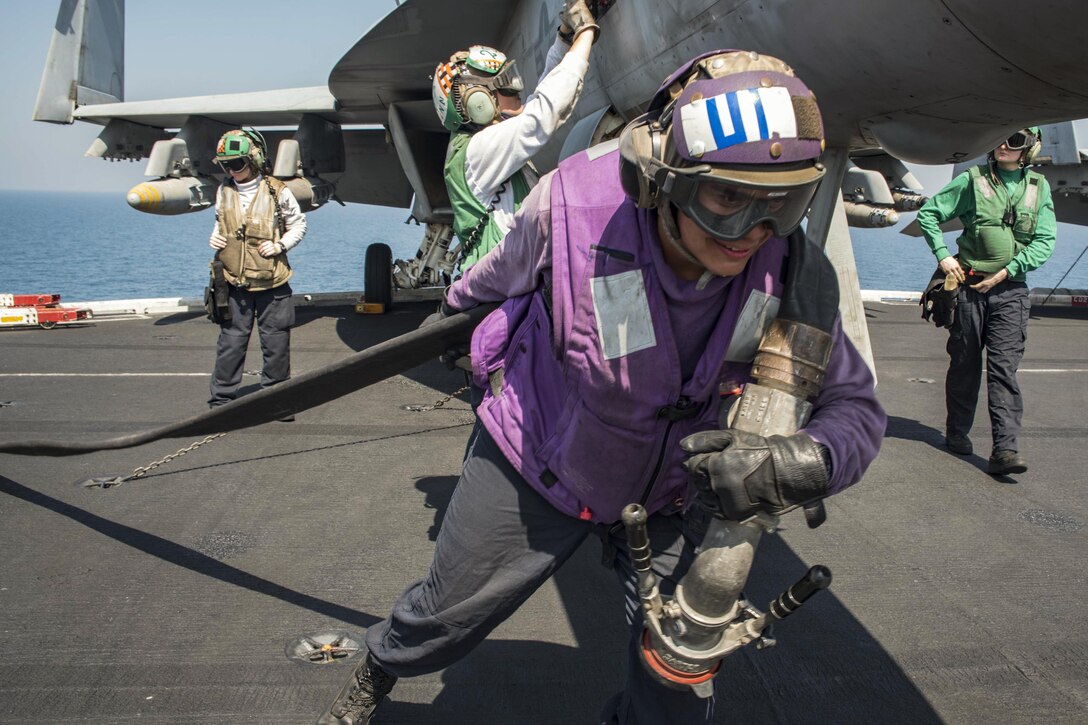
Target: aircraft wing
[[261, 108], [360, 160], [382, 82], [393, 62]]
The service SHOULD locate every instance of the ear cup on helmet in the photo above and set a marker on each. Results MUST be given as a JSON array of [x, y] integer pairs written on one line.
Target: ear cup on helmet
[[1029, 155], [257, 153], [636, 153], [480, 106]]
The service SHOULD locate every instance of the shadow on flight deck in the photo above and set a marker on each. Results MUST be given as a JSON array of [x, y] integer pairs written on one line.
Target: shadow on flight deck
[[826, 669]]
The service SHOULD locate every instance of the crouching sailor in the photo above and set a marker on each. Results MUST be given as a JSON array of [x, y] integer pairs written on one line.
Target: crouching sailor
[[637, 282]]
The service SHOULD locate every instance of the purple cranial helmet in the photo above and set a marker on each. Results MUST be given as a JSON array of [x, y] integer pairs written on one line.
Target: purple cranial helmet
[[736, 119]]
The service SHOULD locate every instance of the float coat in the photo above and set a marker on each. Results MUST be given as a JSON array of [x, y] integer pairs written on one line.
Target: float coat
[[242, 263], [588, 403], [988, 243], [472, 221]]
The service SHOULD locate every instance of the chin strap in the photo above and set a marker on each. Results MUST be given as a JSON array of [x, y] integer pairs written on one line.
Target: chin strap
[[667, 213]]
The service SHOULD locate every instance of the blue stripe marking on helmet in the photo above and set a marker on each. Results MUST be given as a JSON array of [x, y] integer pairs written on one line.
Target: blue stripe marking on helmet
[[761, 117], [722, 141], [741, 134]]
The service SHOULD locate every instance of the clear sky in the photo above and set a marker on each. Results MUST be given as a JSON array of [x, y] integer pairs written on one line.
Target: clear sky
[[171, 49]]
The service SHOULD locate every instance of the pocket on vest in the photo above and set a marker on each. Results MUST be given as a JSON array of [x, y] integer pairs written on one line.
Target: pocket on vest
[[587, 462], [995, 250], [257, 267], [1025, 223]]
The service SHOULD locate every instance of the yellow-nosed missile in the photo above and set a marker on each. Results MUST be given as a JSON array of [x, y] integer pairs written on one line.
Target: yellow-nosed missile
[[170, 195]]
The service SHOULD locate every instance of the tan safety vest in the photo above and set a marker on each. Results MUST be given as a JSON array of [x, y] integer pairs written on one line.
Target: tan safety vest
[[243, 265]]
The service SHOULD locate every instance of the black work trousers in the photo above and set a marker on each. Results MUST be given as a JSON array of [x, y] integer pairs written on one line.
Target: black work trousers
[[995, 322], [274, 312], [499, 542]]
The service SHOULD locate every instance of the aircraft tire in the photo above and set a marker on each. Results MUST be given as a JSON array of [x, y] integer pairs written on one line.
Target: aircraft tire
[[378, 275]]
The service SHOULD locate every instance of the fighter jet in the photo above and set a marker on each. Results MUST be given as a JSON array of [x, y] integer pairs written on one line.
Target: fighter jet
[[931, 82]]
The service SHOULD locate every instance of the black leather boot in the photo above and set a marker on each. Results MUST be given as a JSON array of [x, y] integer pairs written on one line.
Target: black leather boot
[[1005, 462], [362, 694]]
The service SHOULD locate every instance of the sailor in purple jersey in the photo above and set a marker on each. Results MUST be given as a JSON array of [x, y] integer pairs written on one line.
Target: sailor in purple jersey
[[637, 283]]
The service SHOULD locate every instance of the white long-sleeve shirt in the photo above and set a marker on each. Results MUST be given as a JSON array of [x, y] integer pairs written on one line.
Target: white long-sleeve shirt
[[494, 153]]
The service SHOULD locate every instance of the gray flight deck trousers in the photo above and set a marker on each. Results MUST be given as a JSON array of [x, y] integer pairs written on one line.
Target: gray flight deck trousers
[[997, 322], [275, 315], [499, 542]]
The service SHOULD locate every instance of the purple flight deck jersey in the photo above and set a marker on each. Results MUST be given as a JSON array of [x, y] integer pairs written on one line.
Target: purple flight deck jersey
[[587, 389]]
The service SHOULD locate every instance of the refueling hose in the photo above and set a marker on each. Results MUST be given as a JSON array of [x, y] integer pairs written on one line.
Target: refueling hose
[[300, 393]]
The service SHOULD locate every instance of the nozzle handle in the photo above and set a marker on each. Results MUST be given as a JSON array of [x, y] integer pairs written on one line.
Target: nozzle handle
[[638, 540], [816, 579]]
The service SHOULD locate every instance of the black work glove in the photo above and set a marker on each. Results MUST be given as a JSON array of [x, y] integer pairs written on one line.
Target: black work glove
[[747, 473], [444, 310], [457, 356]]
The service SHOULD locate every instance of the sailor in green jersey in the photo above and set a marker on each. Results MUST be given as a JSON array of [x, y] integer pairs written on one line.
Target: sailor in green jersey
[[477, 95], [1009, 230]]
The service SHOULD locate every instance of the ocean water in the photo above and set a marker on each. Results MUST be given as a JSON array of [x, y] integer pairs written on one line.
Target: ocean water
[[94, 247]]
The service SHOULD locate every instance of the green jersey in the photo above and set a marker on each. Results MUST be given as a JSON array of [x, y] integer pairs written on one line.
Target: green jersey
[[472, 220], [1008, 225]]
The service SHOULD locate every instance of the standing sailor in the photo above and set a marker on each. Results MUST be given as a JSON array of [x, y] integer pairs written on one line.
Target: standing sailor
[[257, 219], [1009, 230]]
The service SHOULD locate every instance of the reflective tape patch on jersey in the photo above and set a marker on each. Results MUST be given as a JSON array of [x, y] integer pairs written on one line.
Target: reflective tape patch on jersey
[[984, 187], [1031, 196], [624, 324], [755, 114]]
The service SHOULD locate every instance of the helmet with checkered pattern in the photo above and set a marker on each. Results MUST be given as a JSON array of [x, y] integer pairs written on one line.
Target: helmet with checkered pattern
[[464, 88]]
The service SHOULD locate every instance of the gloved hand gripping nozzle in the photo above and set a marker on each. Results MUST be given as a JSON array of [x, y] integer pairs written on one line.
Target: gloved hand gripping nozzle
[[687, 636]]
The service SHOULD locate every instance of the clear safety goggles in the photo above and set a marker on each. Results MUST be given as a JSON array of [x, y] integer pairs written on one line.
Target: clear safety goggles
[[1019, 141], [506, 82], [728, 210]]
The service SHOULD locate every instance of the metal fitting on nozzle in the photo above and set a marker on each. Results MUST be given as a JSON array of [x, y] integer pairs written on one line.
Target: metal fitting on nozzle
[[789, 371], [687, 637], [638, 544]]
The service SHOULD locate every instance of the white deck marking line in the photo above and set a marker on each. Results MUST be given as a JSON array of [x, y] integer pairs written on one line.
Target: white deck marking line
[[103, 375]]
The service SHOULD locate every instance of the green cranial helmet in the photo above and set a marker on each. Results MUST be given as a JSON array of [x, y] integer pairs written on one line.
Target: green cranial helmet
[[241, 143], [464, 88]]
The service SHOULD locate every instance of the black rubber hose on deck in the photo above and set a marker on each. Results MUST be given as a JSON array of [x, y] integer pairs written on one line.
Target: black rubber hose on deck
[[300, 393]]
